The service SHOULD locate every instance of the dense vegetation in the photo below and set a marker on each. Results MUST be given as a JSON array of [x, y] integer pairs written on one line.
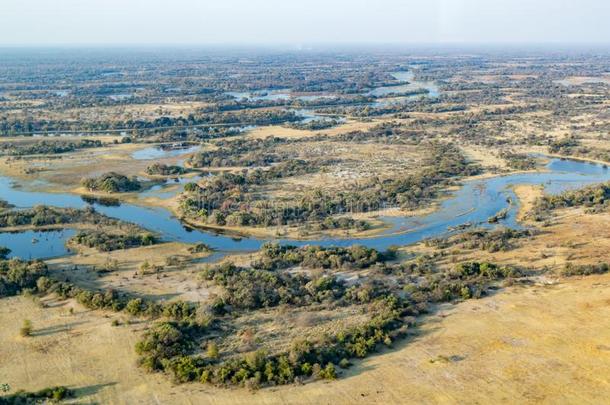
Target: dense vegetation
[[164, 170], [227, 199], [17, 275], [495, 240], [595, 198], [43, 215], [169, 346], [109, 241], [273, 256], [112, 182], [240, 153], [114, 301], [45, 147], [519, 161]]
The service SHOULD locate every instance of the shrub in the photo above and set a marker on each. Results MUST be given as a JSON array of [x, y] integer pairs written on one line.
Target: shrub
[[585, 269], [22, 397], [212, 351], [26, 329]]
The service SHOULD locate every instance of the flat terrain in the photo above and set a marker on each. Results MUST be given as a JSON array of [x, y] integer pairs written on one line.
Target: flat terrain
[[311, 152], [542, 343]]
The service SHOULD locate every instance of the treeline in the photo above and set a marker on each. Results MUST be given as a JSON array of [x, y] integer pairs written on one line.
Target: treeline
[[18, 126], [594, 198], [160, 169], [497, 240], [273, 256], [315, 125], [225, 199], [45, 147], [109, 241], [114, 301], [251, 288], [112, 182], [43, 215]]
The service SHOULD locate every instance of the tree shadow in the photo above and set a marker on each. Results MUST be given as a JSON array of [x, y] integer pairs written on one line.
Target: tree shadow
[[90, 389], [56, 329]]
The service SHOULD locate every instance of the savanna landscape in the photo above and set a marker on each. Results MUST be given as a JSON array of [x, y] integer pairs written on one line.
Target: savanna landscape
[[373, 224]]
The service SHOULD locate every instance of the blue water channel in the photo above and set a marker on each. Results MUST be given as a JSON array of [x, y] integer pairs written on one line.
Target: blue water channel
[[472, 204]]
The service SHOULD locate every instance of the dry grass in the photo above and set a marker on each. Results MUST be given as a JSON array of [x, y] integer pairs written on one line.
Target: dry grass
[[175, 282], [500, 349], [275, 329], [283, 132]]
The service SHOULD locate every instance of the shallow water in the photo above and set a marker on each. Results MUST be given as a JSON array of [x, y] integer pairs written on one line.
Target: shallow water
[[37, 244], [156, 152], [410, 85], [473, 203]]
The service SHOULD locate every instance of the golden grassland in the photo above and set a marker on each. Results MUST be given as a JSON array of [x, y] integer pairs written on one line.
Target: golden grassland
[[546, 343], [176, 281]]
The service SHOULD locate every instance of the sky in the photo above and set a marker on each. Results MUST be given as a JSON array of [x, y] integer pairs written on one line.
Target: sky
[[301, 22]]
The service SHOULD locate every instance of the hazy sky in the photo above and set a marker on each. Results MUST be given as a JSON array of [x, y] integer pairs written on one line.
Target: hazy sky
[[295, 22]]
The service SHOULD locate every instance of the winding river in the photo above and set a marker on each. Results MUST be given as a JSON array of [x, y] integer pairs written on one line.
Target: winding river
[[473, 203]]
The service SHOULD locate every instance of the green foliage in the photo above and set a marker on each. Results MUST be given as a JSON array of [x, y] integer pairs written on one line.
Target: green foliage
[[42, 215], [111, 300], [274, 256], [106, 242], [160, 169], [495, 240], [595, 197], [164, 341], [112, 182], [54, 394], [212, 351], [47, 147], [519, 161], [17, 275]]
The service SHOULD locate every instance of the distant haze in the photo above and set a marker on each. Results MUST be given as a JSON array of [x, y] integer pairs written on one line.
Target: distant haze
[[301, 22]]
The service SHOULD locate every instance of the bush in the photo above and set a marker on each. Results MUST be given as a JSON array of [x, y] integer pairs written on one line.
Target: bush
[[212, 351], [21, 397], [26, 329], [4, 252], [585, 269]]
